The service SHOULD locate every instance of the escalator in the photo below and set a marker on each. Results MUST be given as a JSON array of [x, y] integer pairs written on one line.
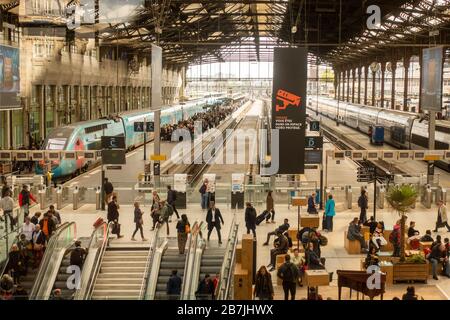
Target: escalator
[[171, 260], [211, 262], [60, 282], [33, 278], [56, 249], [166, 259]]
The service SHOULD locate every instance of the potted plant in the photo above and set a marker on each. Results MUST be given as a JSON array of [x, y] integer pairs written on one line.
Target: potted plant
[[402, 198]]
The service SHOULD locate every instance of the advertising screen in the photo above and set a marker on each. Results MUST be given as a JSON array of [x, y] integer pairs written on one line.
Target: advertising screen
[[9, 77]]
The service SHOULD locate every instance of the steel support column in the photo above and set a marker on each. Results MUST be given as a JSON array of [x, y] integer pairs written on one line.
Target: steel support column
[[374, 73], [393, 68], [348, 85], [366, 79], [406, 61], [353, 84], [383, 74], [359, 85]]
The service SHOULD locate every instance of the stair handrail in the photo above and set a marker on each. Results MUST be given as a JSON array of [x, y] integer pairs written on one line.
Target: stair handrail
[[81, 292], [99, 261], [187, 264], [47, 258], [226, 271], [149, 262]]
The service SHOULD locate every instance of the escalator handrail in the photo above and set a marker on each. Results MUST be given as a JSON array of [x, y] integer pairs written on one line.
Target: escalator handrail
[[149, 263], [47, 257], [192, 285], [16, 238], [97, 265], [185, 285], [104, 225], [224, 286]]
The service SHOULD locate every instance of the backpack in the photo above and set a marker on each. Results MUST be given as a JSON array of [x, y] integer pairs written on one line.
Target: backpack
[[202, 189], [76, 257], [393, 237], [288, 274], [174, 196]]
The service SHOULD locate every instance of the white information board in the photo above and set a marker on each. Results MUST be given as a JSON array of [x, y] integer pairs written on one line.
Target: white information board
[[237, 182], [179, 182], [211, 181]]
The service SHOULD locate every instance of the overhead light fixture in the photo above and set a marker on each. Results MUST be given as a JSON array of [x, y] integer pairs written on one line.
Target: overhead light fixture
[[294, 29]]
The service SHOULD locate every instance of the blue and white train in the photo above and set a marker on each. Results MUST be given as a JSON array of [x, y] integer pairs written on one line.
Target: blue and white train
[[86, 135], [404, 130]]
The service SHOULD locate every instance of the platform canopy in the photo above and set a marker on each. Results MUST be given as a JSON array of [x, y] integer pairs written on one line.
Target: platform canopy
[[335, 31]]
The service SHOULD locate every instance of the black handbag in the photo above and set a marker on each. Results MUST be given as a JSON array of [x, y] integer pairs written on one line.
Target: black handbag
[[116, 228]]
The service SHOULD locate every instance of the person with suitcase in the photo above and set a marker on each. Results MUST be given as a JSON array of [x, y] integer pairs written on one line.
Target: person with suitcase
[[113, 216], [250, 219], [171, 198], [270, 207], [282, 228]]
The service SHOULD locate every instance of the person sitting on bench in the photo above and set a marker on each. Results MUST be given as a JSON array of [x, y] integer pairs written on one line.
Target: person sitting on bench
[[282, 228], [354, 233]]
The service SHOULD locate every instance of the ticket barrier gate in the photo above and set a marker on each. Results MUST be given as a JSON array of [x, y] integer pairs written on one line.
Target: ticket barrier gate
[[441, 195], [426, 196], [348, 197], [62, 197], [79, 197], [339, 194], [42, 195]]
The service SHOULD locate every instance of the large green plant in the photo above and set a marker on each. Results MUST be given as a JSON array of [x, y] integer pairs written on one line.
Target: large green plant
[[402, 198]]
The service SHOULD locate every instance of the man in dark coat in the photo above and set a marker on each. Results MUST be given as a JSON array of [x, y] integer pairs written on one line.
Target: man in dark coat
[[174, 286], [108, 187], [171, 198], [363, 204], [250, 219], [113, 216], [214, 218]]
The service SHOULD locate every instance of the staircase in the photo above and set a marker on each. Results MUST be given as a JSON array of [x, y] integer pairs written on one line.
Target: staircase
[[171, 260], [121, 273]]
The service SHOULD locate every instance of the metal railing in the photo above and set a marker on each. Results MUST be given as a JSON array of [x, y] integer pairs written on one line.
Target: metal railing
[[99, 239], [63, 235], [97, 265], [226, 271], [152, 280], [148, 264]]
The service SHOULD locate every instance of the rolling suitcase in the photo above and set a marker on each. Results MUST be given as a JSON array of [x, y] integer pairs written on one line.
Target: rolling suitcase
[[262, 217], [98, 222]]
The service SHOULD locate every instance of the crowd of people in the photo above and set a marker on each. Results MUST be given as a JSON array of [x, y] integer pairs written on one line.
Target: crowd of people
[[210, 119], [34, 233]]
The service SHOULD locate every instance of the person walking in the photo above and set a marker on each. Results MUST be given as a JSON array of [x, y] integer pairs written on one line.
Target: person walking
[[7, 205], [204, 194], [250, 219], [363, 204], [139, 221], [28, 228], [174, 286], [213, 219], [442, 217], [109, 189], [54, 214], [113, 216], [270, 207], [25, 198], [263, 285], [288, 272], [171, 198], [183, 229], [156, 209], [330, 212]]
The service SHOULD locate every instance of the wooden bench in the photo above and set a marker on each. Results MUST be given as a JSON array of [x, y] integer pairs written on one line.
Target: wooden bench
[[352, 246], [278, 263]]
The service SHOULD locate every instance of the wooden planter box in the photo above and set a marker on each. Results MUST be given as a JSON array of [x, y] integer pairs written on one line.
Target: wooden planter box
[[411, 272]]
